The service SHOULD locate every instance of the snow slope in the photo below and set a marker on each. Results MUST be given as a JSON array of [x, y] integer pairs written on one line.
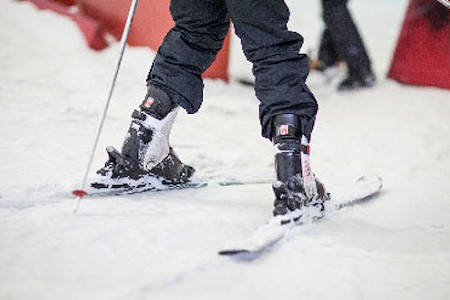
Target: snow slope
[[163, 246]]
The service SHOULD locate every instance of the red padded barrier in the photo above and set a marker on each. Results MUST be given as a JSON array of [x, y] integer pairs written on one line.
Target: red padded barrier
[[66, 2], [151, 23], [422, 54]]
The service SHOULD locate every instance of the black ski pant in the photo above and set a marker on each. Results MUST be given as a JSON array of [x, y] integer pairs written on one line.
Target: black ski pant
[[341, 39], [200, 28]]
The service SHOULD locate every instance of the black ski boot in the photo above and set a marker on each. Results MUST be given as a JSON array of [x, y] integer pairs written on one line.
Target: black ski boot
[[296, 186], [146, 150], [357, 81]]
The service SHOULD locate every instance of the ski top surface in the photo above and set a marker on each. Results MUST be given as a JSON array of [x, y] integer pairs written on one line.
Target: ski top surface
[[151, 183], [364, 189]]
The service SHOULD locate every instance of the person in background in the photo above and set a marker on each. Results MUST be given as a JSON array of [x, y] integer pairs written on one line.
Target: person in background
[[341, 42]]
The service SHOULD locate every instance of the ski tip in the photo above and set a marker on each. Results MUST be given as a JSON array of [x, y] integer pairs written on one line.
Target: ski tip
[[79, 193]]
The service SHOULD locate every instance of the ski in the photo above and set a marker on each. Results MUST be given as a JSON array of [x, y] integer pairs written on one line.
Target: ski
[[151, 183], [364, 189], [124, 186]]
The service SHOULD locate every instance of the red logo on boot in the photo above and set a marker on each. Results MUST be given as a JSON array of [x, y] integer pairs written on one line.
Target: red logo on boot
[[149, 102], [284, 129]]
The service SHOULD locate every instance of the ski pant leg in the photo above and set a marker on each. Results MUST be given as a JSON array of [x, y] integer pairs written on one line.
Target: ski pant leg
[[280, 71], [188, 49], [347, 40], [328, 54]]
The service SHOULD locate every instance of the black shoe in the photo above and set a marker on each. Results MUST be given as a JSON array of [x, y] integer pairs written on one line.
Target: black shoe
[[357, 82], [146, 150], [290, 199], [296, 186], [170, 171]]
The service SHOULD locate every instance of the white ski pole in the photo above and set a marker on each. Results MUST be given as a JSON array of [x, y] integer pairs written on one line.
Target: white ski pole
[[446, 3], [80, 193]]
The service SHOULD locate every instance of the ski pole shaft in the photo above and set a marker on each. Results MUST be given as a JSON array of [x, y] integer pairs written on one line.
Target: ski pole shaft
[[446, 3], [80, 193]]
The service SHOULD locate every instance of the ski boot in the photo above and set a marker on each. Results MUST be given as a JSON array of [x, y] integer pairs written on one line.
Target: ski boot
[[296, 187], [357, 81], [146, 152]]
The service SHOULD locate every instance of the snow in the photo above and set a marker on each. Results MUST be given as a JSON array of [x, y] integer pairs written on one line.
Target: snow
[[164, 246]]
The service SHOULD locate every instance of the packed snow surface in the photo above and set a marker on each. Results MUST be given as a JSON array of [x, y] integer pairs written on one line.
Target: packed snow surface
[[164, 245]]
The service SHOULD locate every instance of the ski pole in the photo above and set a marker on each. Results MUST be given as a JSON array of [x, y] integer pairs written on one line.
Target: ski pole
[[446, 3], [80, 193]]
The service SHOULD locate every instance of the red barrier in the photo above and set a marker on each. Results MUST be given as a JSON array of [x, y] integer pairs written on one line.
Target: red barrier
[[151, 23], [422, 55], [67, 2]]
